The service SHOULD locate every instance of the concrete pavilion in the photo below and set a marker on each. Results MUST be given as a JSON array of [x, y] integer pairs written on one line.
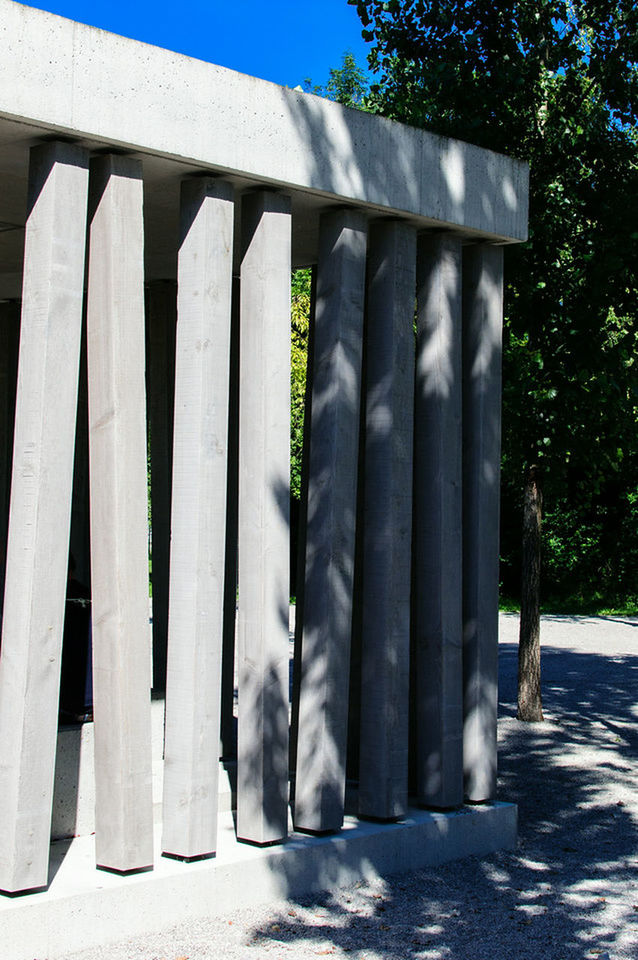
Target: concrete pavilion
[[151, 210]]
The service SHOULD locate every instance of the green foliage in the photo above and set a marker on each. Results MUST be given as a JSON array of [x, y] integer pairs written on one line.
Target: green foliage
[[347, 84], [555, 84], [300, 320]]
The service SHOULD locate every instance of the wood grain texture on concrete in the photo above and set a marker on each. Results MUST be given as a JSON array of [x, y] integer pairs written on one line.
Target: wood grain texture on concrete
[[482, 347], [264, 508], [113, 89], [387, 517], [198, 519], [119, 517], [40, 511], [437, 551], [331, 520]]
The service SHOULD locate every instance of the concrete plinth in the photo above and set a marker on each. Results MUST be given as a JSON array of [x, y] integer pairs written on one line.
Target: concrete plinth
[[83, 909], [198, 519], [40, 510], [331, 515], [437, 550], [387, 519], [264, 505], [482, 336], [119, 517]]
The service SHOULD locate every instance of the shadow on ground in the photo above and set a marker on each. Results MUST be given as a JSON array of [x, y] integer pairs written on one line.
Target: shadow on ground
[[570, 890]]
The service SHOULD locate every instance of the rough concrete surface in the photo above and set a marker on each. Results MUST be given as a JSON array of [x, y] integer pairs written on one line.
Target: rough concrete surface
[[570, 890]]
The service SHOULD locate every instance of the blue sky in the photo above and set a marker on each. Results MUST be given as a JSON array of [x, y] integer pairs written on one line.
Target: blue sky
[[279, 40]]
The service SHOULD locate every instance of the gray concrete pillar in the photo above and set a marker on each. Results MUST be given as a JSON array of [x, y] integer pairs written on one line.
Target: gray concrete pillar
[[9, 337], [387, 521], [437, 549], [264, 505], [40, 511], [198, 520], [119, 517], [161, 318], [330, 532], [482, 336]]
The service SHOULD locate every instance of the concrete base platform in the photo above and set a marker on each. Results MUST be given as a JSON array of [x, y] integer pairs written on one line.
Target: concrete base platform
[[83, 907]]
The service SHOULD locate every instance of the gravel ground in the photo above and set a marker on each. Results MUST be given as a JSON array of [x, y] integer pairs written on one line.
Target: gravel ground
[[570, 890]]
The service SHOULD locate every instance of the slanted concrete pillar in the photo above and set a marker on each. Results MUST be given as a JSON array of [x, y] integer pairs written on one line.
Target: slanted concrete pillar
[[9, 337], [482, 336], [264, 505], [437, 550], [198, 519], [119, 523], [160, 389], [330, 532], [387, 518], [40, 512]]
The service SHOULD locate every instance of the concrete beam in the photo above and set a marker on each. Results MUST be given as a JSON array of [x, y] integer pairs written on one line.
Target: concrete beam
[[437, 551], [40, 512], [387, 521], [198, 520], [119, 91], [119, 517], [264, 505], [482, 337], [330, 533]]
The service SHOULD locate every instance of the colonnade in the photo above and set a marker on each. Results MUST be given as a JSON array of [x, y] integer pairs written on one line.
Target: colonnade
[[400, 514]]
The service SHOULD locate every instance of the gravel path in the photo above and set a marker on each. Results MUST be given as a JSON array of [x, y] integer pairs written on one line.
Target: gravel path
[[570, 890]]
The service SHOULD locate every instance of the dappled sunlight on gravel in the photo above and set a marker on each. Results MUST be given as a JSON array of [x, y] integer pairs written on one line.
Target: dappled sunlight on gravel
[[568, 892]]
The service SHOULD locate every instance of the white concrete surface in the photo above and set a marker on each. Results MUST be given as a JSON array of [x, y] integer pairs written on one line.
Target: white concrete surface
[[90, 83], [264, 528], [40, 509], [119, 516], [84, 907], [198, 519]]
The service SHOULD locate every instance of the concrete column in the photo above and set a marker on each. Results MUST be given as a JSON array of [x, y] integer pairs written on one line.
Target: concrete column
[[437, 549], [198, 519], [387, 533], [482, 335], [330, 533], [40, 511], [119, 518], [264, 505], [160, 390], [9, 337]]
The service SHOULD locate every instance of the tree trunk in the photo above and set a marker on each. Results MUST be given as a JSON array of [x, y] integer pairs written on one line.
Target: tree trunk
[[529, 645]]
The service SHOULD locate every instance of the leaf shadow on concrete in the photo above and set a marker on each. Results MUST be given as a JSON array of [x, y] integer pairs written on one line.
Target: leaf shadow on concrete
[[566, 892]]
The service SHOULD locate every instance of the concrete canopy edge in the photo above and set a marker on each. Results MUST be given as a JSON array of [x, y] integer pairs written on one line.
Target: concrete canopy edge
[[85, 82]]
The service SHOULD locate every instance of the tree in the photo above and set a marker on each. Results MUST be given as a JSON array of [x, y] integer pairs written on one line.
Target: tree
[[555, 84], [347, 84]]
